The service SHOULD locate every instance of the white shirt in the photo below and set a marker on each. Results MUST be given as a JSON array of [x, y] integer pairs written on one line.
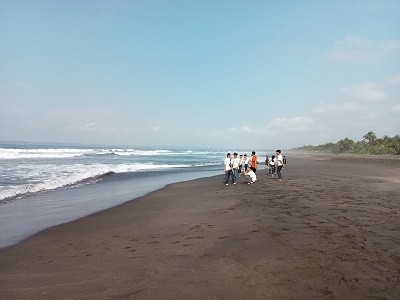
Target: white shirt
[[235, 162], [227, 163], [280, 160], [252, 175]]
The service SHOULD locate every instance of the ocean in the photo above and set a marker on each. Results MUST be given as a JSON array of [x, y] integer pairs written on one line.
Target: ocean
[[42, 185]]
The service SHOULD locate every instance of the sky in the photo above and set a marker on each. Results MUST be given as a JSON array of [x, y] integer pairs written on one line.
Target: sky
[[208, 74]]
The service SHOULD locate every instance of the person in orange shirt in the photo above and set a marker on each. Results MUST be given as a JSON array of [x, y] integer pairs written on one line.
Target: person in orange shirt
[[254, 161]]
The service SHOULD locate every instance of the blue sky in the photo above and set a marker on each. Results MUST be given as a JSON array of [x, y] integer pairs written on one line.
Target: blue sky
[[212, 74]]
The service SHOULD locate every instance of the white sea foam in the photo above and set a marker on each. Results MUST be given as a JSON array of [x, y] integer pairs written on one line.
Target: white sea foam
[[6, 153], [42, 153], [27, 169], [68, 176], [35, 168]]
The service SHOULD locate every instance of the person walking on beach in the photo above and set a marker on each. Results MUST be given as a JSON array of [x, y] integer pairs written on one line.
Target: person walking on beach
[[280, 164], [235, 167], [254, 161], [228, 168]]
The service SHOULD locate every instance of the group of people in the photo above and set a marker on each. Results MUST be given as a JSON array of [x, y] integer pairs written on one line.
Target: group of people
[[233, 166], [275, 164]]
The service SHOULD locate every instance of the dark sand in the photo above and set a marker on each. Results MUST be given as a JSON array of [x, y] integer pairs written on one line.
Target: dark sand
[[329, 230]]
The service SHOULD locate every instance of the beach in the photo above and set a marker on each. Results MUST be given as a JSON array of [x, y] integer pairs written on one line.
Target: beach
[[329, 230]]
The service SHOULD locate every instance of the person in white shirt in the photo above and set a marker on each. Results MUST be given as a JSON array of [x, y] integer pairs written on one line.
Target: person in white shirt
[[271, 164], [235, 167], [240, 164], [250, 175], [280, 164], [246, 161], [228, 168]]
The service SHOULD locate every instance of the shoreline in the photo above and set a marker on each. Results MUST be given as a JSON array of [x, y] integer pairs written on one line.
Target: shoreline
[[329, 230], [30, 215]]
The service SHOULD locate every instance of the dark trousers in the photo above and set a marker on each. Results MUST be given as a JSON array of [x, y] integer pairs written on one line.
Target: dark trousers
[[271, 170], [278, 170], [228, 174]]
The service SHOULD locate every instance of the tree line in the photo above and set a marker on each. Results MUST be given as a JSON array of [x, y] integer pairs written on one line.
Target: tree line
[[370, 144]]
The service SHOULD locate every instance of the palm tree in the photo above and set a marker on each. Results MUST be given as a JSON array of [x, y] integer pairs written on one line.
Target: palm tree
[[346, 145], [370, 137]]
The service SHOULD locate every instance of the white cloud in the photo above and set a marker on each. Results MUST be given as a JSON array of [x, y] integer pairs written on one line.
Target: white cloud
[[292, 124], [322, 108], [356, 109], [356, 41], [395, 109], [90, 126], [342, 55], [392, 45], [394, 80], [356, 49], [366, 92], [246, 129], [351, 49]]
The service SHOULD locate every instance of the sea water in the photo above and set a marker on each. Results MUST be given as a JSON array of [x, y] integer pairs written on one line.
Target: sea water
[[42, 185]]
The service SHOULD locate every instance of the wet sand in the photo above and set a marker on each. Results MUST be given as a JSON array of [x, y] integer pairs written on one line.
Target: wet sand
[[329, 230]]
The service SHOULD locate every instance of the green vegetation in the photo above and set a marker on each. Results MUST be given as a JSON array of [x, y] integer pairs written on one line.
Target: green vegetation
[[370, 144]]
